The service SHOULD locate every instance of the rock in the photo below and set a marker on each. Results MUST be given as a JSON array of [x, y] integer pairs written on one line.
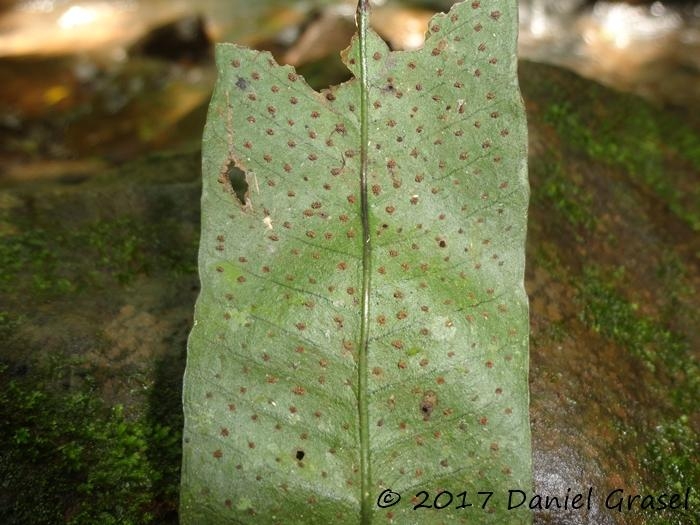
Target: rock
[[612, 265], [110, 265], [103, 272]]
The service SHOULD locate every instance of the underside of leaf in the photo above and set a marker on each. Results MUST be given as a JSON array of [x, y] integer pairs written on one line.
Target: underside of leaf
[[362, 324]]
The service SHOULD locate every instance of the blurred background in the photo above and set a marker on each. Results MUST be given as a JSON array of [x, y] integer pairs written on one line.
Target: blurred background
[[87, 84]]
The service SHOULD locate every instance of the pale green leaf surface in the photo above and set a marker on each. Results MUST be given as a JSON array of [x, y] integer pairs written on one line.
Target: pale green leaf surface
[[272, 396]]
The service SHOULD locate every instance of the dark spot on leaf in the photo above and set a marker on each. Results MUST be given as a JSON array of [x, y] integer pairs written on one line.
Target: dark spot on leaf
[[428, 403], [241, 83]]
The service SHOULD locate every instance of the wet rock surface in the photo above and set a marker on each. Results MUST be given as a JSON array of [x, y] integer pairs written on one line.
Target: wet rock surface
[[101, 274], [612, 268]]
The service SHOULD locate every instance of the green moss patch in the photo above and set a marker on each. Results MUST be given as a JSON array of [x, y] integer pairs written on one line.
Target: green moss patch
[[68, 458], [670, 454], [656, 152], [99, 254], [569, 198], [664, 351], [637, 139]]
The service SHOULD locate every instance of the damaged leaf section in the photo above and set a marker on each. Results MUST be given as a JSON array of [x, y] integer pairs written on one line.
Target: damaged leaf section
[[362, 325], [234, 181]]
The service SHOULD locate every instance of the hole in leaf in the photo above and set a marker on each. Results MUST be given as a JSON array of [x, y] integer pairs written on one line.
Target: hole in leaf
[[300, 454], [236, 179]]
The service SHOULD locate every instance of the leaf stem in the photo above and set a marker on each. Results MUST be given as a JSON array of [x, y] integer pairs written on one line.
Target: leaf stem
[[362, 386]]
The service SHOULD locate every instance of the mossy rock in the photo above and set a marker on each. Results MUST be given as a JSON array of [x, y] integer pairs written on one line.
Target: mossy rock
[[612, 267], [98, 283], [97, 286]]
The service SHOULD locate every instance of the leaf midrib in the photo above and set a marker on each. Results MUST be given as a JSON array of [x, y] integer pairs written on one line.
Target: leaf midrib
[[363, 346]]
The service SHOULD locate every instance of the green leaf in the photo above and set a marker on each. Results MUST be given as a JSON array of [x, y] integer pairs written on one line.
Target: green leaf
[[362, 324]]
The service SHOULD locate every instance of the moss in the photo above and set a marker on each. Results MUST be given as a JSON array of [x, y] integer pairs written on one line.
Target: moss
[[671, 450], [683, 140], [126, 248], [97, 465], [662, 350], [62, 261], [557, 191], [8, 325], [633, 138], [29, 255], [672, 456]]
